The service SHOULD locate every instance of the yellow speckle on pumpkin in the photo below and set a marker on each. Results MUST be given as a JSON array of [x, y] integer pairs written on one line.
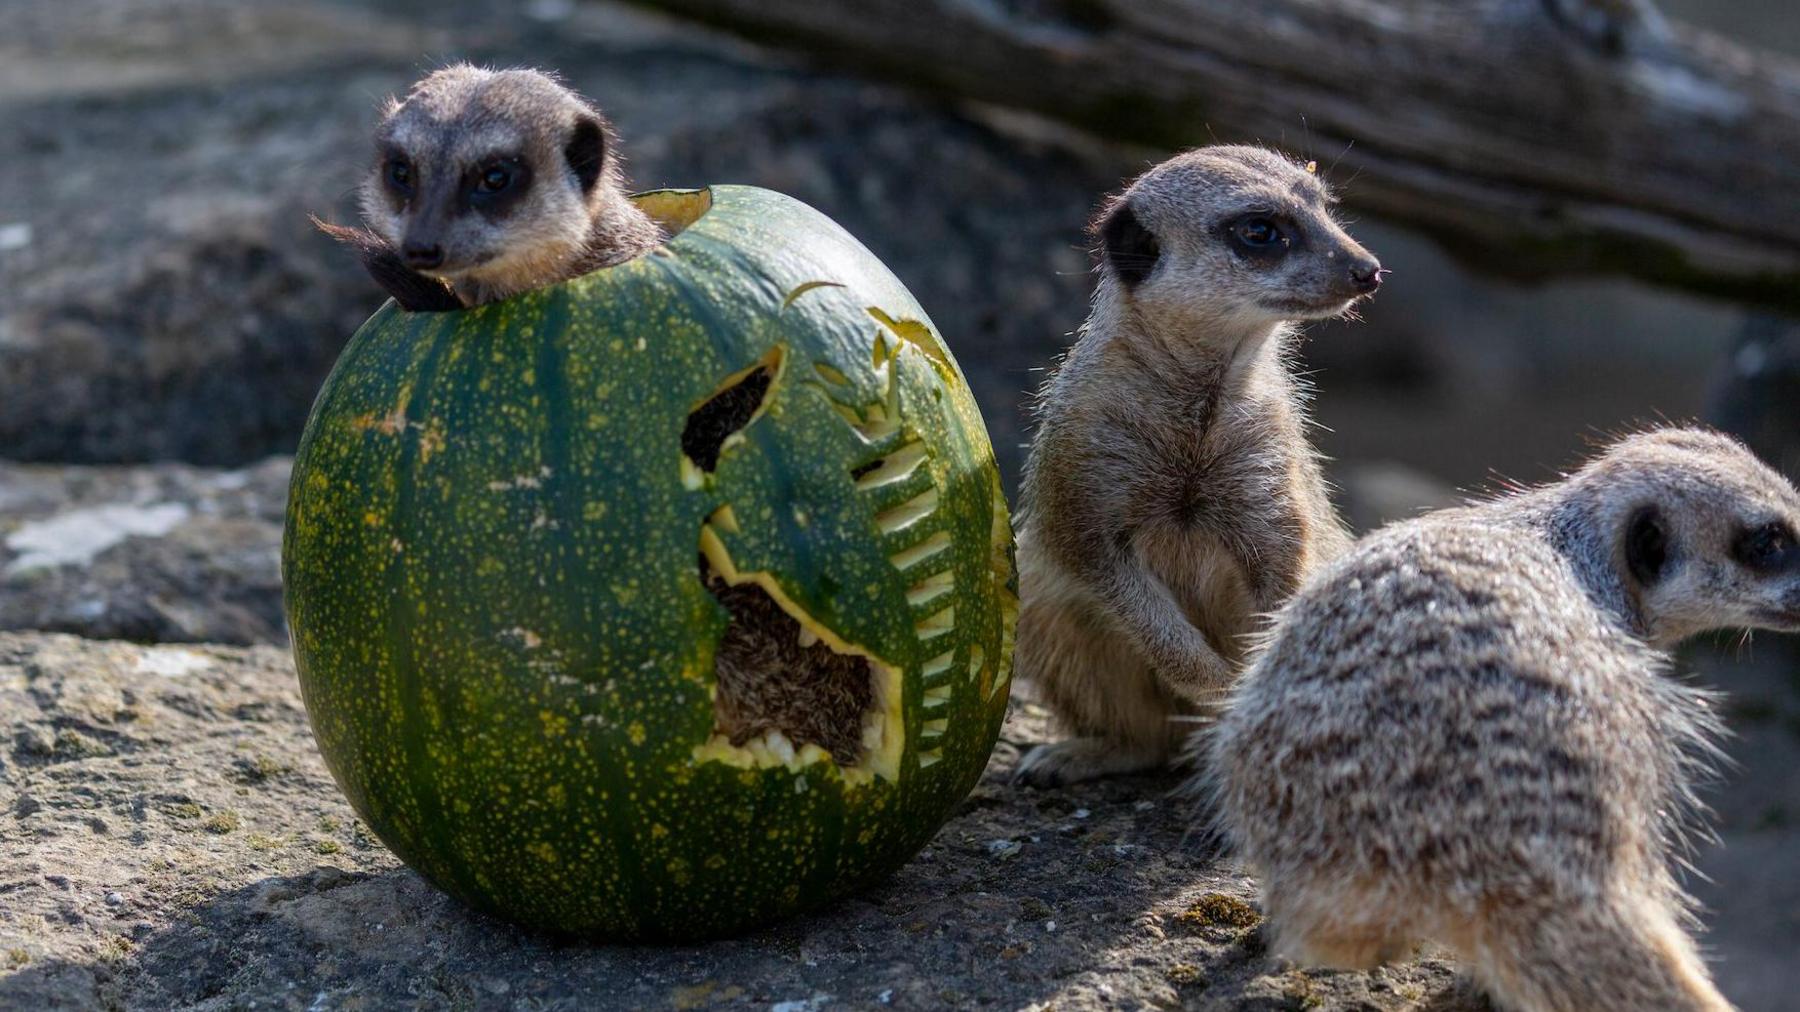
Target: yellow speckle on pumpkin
[[542, 851], [555, 724], [636, 732], [372, 518], [658, 831], [430, 441]]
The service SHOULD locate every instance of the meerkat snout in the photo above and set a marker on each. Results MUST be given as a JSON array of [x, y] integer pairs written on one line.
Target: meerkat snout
[[421, 257], [1365, 275], [1233, 233]]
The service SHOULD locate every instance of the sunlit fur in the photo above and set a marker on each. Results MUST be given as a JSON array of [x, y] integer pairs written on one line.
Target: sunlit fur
[[456, 119], [1466, 730], [1171, 498]]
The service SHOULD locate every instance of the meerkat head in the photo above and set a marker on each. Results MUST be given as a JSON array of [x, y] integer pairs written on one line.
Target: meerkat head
[[488, 173], [1702, 533], [1235, 235]]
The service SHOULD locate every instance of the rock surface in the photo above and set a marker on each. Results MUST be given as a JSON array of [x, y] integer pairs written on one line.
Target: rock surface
[[170, 839], [159, 553]]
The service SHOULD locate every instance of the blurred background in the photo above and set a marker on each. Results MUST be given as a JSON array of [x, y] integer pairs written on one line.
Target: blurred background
[[167, 314]]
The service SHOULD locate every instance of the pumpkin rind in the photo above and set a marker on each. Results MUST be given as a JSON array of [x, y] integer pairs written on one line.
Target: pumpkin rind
[[503, 640]]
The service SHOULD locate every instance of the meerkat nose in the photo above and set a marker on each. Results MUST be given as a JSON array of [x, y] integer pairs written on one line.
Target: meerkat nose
[[1365, 274], [422, 257]]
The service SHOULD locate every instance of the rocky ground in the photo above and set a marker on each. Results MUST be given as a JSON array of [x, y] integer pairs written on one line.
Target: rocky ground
[[168, 837], [171, 840]]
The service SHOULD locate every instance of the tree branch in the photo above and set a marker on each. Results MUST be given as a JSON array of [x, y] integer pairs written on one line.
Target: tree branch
[[1531, 136]]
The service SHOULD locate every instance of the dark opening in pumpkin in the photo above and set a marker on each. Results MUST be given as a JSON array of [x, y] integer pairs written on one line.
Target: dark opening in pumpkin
[[778, 682], [774, 674], [726, 411]]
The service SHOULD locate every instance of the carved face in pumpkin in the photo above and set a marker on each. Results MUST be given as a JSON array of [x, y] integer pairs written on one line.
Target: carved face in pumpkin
[[663, 601]]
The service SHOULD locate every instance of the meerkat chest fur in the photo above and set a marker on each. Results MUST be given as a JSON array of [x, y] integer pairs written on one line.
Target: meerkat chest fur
[[1190, 456]]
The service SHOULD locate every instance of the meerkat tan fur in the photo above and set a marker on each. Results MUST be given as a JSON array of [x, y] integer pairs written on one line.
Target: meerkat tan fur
[[489, 183], [1171, 498], [1466, 730]]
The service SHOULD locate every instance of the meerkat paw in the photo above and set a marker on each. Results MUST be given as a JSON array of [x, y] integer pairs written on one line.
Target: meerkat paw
[[1078, 759]]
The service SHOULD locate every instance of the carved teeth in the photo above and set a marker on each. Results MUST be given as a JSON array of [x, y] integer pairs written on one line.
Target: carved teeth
[[911, 556], [896, 466], [908, 513]]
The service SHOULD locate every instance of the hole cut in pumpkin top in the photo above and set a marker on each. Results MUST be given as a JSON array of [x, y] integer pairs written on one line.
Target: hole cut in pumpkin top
[[674, 210]]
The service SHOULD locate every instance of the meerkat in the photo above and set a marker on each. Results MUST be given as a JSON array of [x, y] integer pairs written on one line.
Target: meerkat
[[489, 183], [1171, 498], [1466, 730]]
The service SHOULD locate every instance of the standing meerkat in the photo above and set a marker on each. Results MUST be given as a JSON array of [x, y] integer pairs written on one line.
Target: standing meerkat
[[489, 183], [1466, 730], [1171, 498]]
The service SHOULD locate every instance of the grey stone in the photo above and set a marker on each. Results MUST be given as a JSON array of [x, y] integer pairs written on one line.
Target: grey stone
[[270, 892], [158, 552]]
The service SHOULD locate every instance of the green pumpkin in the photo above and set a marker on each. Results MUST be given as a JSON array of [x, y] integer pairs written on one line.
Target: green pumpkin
[[494, 557]]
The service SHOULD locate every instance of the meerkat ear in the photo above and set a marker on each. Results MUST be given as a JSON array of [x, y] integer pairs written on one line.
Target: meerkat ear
[[1646, 545], [1127, 245], [586, 150]]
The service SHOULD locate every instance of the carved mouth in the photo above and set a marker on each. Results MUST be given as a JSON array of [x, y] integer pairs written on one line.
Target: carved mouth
[[789, 691]]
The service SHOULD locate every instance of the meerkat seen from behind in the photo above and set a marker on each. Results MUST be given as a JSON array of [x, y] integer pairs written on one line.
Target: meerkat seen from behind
[[1466, 730], [489, 183], [1171, 497]]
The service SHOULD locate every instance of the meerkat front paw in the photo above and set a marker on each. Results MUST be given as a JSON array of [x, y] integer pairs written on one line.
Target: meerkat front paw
[[1070, 762]]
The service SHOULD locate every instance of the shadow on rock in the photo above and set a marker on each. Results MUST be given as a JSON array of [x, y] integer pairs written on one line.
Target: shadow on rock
[[1081, 897]]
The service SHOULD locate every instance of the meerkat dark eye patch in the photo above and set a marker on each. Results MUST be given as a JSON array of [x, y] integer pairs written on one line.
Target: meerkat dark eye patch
[[398, 172], [586, 152], [1646, 546], [1767, 548], [494, 185], [1128, 245]]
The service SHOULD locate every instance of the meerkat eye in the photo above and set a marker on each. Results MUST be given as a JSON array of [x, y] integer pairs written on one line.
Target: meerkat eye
[[495, 179], [497, 184], [1765, 548], [399, 174], [1258, 232]]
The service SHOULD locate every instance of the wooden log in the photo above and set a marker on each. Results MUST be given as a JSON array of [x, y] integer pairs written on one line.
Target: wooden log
[[1533, 137]]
